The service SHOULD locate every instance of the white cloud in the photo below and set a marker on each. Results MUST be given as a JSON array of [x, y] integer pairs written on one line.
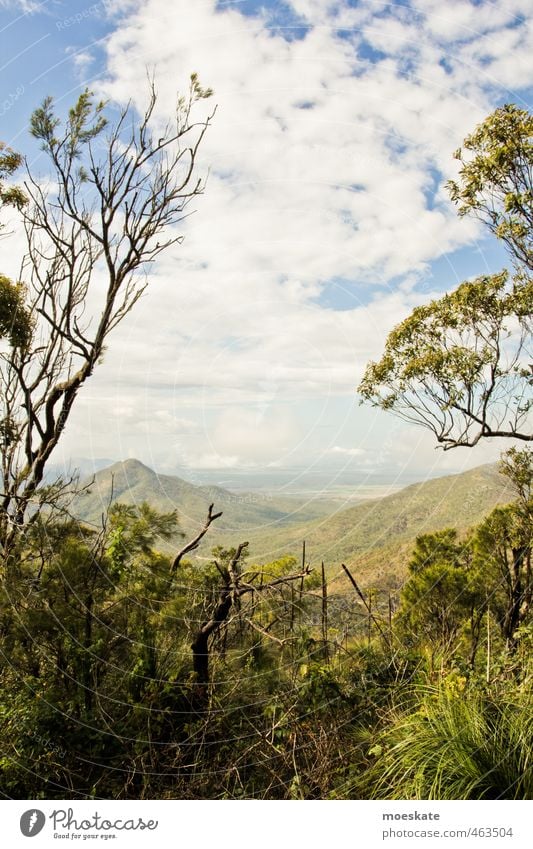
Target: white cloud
[[25, 6], [213, 461], [347, 452], [281, 197], [327, 159], [462, 20], [82, 59]]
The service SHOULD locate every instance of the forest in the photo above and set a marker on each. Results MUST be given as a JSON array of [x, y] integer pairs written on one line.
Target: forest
[[131, 669]]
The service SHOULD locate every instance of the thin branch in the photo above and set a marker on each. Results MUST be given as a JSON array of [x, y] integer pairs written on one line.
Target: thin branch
[[194, 543]]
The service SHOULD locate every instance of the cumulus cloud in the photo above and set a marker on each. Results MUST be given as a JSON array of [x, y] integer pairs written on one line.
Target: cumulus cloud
[[324, 207], [25, 6]]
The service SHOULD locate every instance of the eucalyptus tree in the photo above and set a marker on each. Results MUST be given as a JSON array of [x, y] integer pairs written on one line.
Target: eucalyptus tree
[[94, 226], [461, 366], [15, 321], [495, 179]]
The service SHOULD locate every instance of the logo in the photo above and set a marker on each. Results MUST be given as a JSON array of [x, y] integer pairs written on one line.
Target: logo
[[32, 822]]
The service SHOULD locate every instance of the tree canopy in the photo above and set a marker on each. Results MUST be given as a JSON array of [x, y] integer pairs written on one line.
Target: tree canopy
[[15, 319], [15, 322], [461, 365], [494, 182], [10, 195]]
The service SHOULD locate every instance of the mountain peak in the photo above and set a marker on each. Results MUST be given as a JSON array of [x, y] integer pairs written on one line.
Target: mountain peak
[[131, 465]]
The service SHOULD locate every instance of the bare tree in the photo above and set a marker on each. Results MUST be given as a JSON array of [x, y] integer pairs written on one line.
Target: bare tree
[[194, 543], [91, 239], [235, 585]]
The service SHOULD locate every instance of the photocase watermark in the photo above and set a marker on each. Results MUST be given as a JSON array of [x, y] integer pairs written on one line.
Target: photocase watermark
[[11, 99], [238, 498], [79, 17], [32, 822], [65, 824]]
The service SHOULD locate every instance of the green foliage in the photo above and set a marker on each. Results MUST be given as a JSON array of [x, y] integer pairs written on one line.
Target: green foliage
[[458, 743], [85, 122], [136, 530], [16, 323], [98, 696], [494, 182], [9, 163], [441, 591], [517, 466], [457, 365], [503, 545], [91, 660]]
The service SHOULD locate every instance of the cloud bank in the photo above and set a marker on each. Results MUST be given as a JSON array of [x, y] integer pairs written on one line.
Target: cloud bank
[[323, 213]]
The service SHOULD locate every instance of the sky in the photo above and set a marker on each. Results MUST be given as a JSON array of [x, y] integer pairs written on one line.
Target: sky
[[325, 218]]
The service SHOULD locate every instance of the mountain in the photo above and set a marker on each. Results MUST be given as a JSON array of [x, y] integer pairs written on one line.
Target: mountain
[[131, 482], [453, 501], [374, 537]]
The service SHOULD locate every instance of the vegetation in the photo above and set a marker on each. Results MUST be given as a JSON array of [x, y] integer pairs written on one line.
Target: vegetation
[[15, 321], [139, 661], [460, 743], [276, 525], [460, 366], [494, 182], [10, 162], [106, 217]]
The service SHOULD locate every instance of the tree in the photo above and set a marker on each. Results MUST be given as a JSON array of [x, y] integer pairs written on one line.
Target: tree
[[443, 593], [503, 550], [109, 215], [15, 321], [236, 586], [517, 466], [504, 543], [495, 181], [458, 366], [10, 161], [461, 365]]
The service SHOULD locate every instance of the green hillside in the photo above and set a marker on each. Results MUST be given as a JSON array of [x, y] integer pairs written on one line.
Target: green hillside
[[131, 482], [374, 536], [453, 501]]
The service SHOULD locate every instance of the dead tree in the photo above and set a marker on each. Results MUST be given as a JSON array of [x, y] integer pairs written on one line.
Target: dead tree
[[234, 587], [90, 238], [325, 612], [368, 606]]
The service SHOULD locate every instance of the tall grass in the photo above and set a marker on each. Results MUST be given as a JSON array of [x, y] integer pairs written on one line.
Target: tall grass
[[459, 744]]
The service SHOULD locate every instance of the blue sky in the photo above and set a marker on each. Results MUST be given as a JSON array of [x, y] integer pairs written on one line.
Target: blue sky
[[324, 222]]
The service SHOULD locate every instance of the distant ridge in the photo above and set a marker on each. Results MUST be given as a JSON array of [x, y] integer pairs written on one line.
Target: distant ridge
[[131, 482], [375, 536]]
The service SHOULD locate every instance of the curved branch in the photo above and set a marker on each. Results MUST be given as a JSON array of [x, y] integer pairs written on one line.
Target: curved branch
[[194, 543]]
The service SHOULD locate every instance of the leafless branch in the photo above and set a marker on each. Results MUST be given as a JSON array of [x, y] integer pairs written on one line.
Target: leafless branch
[[108, 211], [194, 543]]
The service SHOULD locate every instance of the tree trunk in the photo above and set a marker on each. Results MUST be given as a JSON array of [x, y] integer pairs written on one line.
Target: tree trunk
[[200, 644]]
